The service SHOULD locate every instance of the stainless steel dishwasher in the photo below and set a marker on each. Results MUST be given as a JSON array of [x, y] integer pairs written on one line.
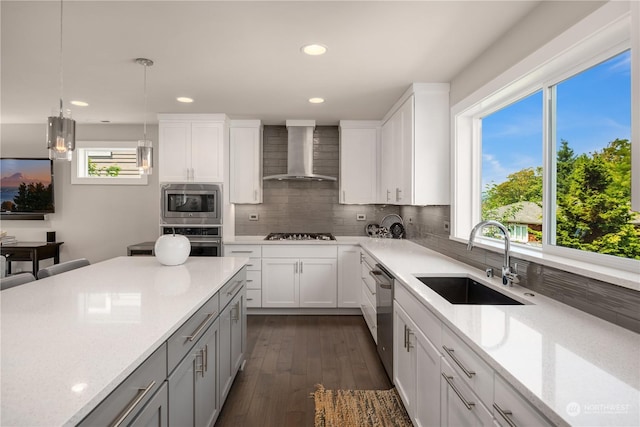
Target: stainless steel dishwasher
[[384, 313]]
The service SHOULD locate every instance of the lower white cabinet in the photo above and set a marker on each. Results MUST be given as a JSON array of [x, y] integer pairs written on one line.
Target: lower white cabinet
[[193, 400], [290, 281], [368, 294], [349, 281], [416, 370], [510, 408], [459, 406]]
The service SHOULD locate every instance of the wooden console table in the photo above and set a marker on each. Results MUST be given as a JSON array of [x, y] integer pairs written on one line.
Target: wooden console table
[[31, 251]]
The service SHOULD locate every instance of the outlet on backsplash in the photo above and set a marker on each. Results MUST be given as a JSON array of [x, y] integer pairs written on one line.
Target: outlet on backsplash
[[361, 217], [253, 217], [446, 226]]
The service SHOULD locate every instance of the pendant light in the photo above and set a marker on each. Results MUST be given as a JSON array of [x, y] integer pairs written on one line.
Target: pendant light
[[144, 158], [61, 130]]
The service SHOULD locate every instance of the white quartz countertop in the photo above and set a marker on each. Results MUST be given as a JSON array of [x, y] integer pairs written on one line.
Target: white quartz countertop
[[69, 340], [259, 240], [575, 368]]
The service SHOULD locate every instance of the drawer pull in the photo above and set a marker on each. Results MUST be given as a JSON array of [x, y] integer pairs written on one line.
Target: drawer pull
[[235, 288], [249, 265], [449, 380], [241, 252], [205, 358], [201, 327], [505, 414], [249, 299], [142, 392], [467, 372]]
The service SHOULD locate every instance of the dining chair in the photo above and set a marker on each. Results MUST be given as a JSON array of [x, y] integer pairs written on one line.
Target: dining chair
[[15, 280], [62, 267]]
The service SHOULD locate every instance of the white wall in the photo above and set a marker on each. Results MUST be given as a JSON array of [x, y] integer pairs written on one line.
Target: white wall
[[94, 221], [545, 22]]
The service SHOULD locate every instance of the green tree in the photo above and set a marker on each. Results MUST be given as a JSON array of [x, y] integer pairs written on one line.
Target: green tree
[[565, 161], [34, 197], [523, 185]]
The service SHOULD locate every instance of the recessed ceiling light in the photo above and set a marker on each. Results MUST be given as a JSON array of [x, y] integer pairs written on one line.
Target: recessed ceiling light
[[316, 100], [314, 49], [80, 103], [184, 99]]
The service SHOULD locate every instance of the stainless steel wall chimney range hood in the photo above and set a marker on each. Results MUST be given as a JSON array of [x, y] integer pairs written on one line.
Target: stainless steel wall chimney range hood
[[300, 153]]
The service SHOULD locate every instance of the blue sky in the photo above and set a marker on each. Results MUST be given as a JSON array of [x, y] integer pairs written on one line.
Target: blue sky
[[593, 108]]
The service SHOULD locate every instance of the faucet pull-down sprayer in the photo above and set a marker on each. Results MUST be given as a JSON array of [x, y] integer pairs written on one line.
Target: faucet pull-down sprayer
[[509, 277]]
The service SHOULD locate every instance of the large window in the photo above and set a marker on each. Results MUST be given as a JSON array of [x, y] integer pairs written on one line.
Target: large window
[[546, 149]]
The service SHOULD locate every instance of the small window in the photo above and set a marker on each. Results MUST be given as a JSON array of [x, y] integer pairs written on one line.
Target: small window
[[106, 162]]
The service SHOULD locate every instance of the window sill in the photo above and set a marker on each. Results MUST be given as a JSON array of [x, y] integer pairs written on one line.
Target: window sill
[[622, 278]]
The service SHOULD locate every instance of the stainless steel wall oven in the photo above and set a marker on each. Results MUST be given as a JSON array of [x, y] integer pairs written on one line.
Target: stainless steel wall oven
[[205, 241]]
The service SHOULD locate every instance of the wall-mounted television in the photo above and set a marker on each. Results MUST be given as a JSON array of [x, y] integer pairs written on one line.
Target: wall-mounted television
[[26, 188]]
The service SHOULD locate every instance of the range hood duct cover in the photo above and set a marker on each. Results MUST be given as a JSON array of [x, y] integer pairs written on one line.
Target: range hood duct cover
[[300, 153]]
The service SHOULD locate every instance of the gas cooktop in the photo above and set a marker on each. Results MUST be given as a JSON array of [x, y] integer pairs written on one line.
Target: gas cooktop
[[300, 236]]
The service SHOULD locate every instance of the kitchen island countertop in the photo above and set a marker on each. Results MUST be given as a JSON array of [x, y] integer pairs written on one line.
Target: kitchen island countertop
[[575, 368], [69, 340]]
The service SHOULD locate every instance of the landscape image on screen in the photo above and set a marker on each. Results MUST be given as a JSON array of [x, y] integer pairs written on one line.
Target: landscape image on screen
[[26, 186]]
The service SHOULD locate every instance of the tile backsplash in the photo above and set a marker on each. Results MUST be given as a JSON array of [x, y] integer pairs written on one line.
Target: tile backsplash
[[302, 206], [425, 226]]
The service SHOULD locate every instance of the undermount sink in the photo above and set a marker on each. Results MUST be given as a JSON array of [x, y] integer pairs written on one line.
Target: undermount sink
[[462, 290]]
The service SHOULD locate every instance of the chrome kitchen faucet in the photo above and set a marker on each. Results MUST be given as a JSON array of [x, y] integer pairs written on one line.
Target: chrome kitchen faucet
[[508, 277]]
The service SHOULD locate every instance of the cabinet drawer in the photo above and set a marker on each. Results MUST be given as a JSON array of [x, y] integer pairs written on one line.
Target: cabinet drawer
[[300, 251], [248, 251], [367, 279], [508, 403], [369, 312], [184, 338], [231, 288], [254, 279], [132, 394], [473, 370], [428, 323], [455, 395], [254, 298]]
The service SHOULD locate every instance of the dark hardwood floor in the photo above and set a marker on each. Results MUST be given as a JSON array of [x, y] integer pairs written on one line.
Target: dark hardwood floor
[[287, 356]]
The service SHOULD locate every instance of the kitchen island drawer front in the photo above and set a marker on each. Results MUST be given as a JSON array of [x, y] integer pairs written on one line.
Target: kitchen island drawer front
[[473, 370], [184, 338], [244, 251], [509, 406], [300, 251], [231, 288], [369, 312], [428, 323], [254, 264], [128, 399], [254, 298], [254, 279]]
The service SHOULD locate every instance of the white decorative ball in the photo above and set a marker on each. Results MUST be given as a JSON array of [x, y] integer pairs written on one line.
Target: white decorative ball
[[172, 249]]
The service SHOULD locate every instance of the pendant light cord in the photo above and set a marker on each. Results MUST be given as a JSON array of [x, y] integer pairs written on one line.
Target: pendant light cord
[[61, 61], [145, 103]]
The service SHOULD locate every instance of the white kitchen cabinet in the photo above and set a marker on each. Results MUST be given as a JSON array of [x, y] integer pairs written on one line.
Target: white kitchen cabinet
[[415, 148], [510, 408], [191, 147], [245, 161], [192, 385], [349, 276], [368, 294], [416, 370], [459, 406], [299, 276], [254, 270], [359, 161]]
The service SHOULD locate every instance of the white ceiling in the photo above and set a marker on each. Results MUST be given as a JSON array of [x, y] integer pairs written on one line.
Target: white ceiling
[[237, 57]]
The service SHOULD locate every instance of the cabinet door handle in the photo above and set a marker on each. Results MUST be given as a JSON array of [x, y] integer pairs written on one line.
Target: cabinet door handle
[[296, 268], [142, 392], [398, 194], [505, 414], [235, 288], [449, 380], [201, 326], [199, 368], [300, 267], [205, 358], [467, 372], [388, 195]]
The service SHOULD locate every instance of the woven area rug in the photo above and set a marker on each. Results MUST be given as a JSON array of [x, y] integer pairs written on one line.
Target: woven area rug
[[359, 408]]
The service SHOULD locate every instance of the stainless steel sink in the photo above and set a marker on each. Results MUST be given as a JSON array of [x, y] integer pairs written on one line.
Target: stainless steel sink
[[462, 290]]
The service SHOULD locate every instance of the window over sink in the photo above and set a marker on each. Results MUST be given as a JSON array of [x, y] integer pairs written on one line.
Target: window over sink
[[549, 152]]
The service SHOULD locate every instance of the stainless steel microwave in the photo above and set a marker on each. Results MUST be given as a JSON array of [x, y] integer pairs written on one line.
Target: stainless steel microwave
[[191, 204]]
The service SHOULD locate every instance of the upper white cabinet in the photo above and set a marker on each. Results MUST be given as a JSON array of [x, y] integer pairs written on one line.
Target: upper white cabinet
[[414, 166], [359, 161], [192, 147], [245, 161]]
